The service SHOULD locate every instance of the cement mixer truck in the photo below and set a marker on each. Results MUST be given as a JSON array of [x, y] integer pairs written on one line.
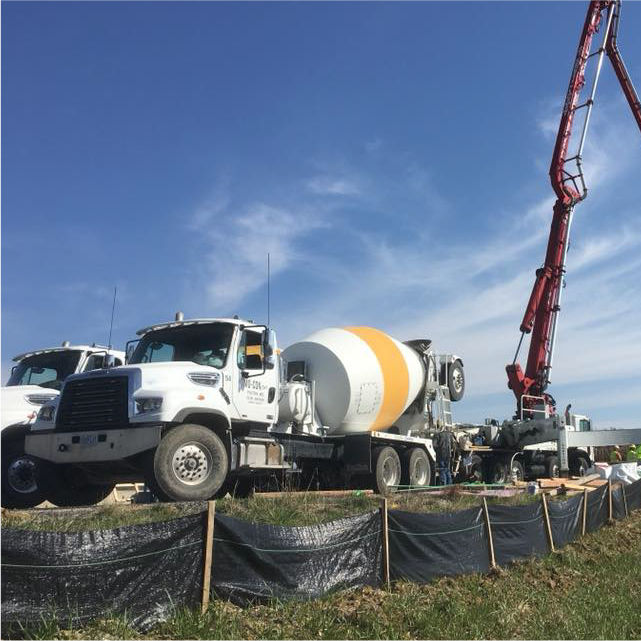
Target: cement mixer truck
[[207, 406]]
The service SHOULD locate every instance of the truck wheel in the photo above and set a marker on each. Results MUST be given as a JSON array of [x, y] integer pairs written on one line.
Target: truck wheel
[[475, 475], [67, 486], [455, 380], [189, 464], [19, 476], [552, 467], [416, 468], [580, 464], [518, 471], [387, 469], [498, 472]]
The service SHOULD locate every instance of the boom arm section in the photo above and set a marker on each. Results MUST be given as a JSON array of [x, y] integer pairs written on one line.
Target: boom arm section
[[568, 182]]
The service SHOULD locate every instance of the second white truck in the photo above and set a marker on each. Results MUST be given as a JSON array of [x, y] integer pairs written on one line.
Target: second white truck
[[37, 378]]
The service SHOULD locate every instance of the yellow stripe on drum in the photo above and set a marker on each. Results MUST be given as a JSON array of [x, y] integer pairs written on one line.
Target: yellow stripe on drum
[[396, 377]]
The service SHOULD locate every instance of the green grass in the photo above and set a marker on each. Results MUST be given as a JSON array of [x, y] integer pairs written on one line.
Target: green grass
[[100, 517], [590, 590]]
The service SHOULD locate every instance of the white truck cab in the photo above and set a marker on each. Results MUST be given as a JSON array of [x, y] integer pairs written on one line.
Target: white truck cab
[[199, 375], [36, 379]]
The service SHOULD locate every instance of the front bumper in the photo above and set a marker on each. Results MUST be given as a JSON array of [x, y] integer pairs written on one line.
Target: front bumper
[[92, 446]]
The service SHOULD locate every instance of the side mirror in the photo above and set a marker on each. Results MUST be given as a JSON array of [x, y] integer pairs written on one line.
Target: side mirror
[[269, 342], [130, 348], [108, 361]]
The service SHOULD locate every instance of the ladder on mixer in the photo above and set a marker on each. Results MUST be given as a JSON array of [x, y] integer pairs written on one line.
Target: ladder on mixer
[[445, 413]]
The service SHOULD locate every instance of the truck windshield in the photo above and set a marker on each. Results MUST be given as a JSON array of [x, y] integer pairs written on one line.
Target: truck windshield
[[206, 344], [46, 370]]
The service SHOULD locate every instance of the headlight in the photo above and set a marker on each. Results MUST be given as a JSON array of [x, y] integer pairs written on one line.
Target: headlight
[[211, 379], [39, 399], [47, 413], [148, 405]]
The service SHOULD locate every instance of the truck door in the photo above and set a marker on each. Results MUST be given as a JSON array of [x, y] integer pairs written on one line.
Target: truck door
[[255, 389]]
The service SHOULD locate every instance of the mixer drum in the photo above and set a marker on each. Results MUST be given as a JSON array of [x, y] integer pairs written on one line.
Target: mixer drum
[[364, 379]]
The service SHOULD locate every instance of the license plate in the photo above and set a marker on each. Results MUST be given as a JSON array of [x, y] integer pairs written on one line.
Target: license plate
[[88, 439]]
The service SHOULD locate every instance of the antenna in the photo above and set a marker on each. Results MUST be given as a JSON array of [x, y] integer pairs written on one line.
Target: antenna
[[111, 325], [268, 310]]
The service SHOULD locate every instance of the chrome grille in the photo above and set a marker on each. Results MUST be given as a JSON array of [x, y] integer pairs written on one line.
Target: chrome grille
[[93, 404]]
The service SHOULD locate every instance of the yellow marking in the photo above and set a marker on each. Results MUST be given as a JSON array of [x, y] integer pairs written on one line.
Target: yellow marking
[[253, 350], [396, 377]]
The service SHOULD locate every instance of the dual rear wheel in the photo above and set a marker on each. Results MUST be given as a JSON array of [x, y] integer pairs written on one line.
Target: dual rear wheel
[[389, 471]]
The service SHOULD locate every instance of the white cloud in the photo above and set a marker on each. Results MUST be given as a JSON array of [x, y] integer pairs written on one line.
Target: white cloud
[[237, 248], [332, 186]]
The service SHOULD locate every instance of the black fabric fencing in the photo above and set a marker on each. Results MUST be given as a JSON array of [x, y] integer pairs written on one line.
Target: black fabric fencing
[[565, 520], [633, 495], [518, 531], [618, 504], [143, 569], [259, 561], [146, 571], [423, 546], [598, 509]]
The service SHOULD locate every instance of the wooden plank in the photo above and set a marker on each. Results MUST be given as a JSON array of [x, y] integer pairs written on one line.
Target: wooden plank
[[386, 573], [585, 511], [489, 533], [548, 526], [586, 479], [576, 486], [209, 546], [610, 515]]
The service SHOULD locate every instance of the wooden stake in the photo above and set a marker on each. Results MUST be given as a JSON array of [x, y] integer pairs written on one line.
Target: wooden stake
[[489, 533], [585, 511], [610, 517], [548, 526], [209, 545], [386, 573], [625, 501]]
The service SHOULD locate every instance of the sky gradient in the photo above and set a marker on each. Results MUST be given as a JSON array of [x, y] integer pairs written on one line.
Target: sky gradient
[[391, 157]]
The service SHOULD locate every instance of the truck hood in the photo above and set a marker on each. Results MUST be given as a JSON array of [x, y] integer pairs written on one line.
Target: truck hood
[[152, 375], [15, 407]]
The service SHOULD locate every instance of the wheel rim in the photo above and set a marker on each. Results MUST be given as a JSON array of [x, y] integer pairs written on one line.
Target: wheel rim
[[420, 472], [500, 474], [517, 472], [457, 379], [554, 472], [21, 475], [192, 463], [390, 472]]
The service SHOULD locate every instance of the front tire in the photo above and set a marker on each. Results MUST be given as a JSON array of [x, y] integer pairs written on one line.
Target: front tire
[[552, 467], [20, 486], [189, 464]]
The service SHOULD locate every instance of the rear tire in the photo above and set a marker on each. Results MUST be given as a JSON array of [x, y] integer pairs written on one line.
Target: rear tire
[[498, 472], [416, 468], [387, 470], [518, 471], [20, 487], [580, 464], [552, 467], [67, 486], [189, 464]]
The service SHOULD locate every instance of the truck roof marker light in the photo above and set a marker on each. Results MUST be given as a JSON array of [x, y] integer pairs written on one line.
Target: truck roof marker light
[[201, 397]]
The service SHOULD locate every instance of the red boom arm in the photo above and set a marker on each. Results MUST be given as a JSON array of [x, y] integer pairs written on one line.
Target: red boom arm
[[541, 313]]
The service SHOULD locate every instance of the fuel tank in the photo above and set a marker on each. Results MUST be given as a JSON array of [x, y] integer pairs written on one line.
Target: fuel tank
[[364, 379]]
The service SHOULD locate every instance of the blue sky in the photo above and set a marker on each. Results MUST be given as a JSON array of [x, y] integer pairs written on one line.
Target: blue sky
[[392, 158]]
